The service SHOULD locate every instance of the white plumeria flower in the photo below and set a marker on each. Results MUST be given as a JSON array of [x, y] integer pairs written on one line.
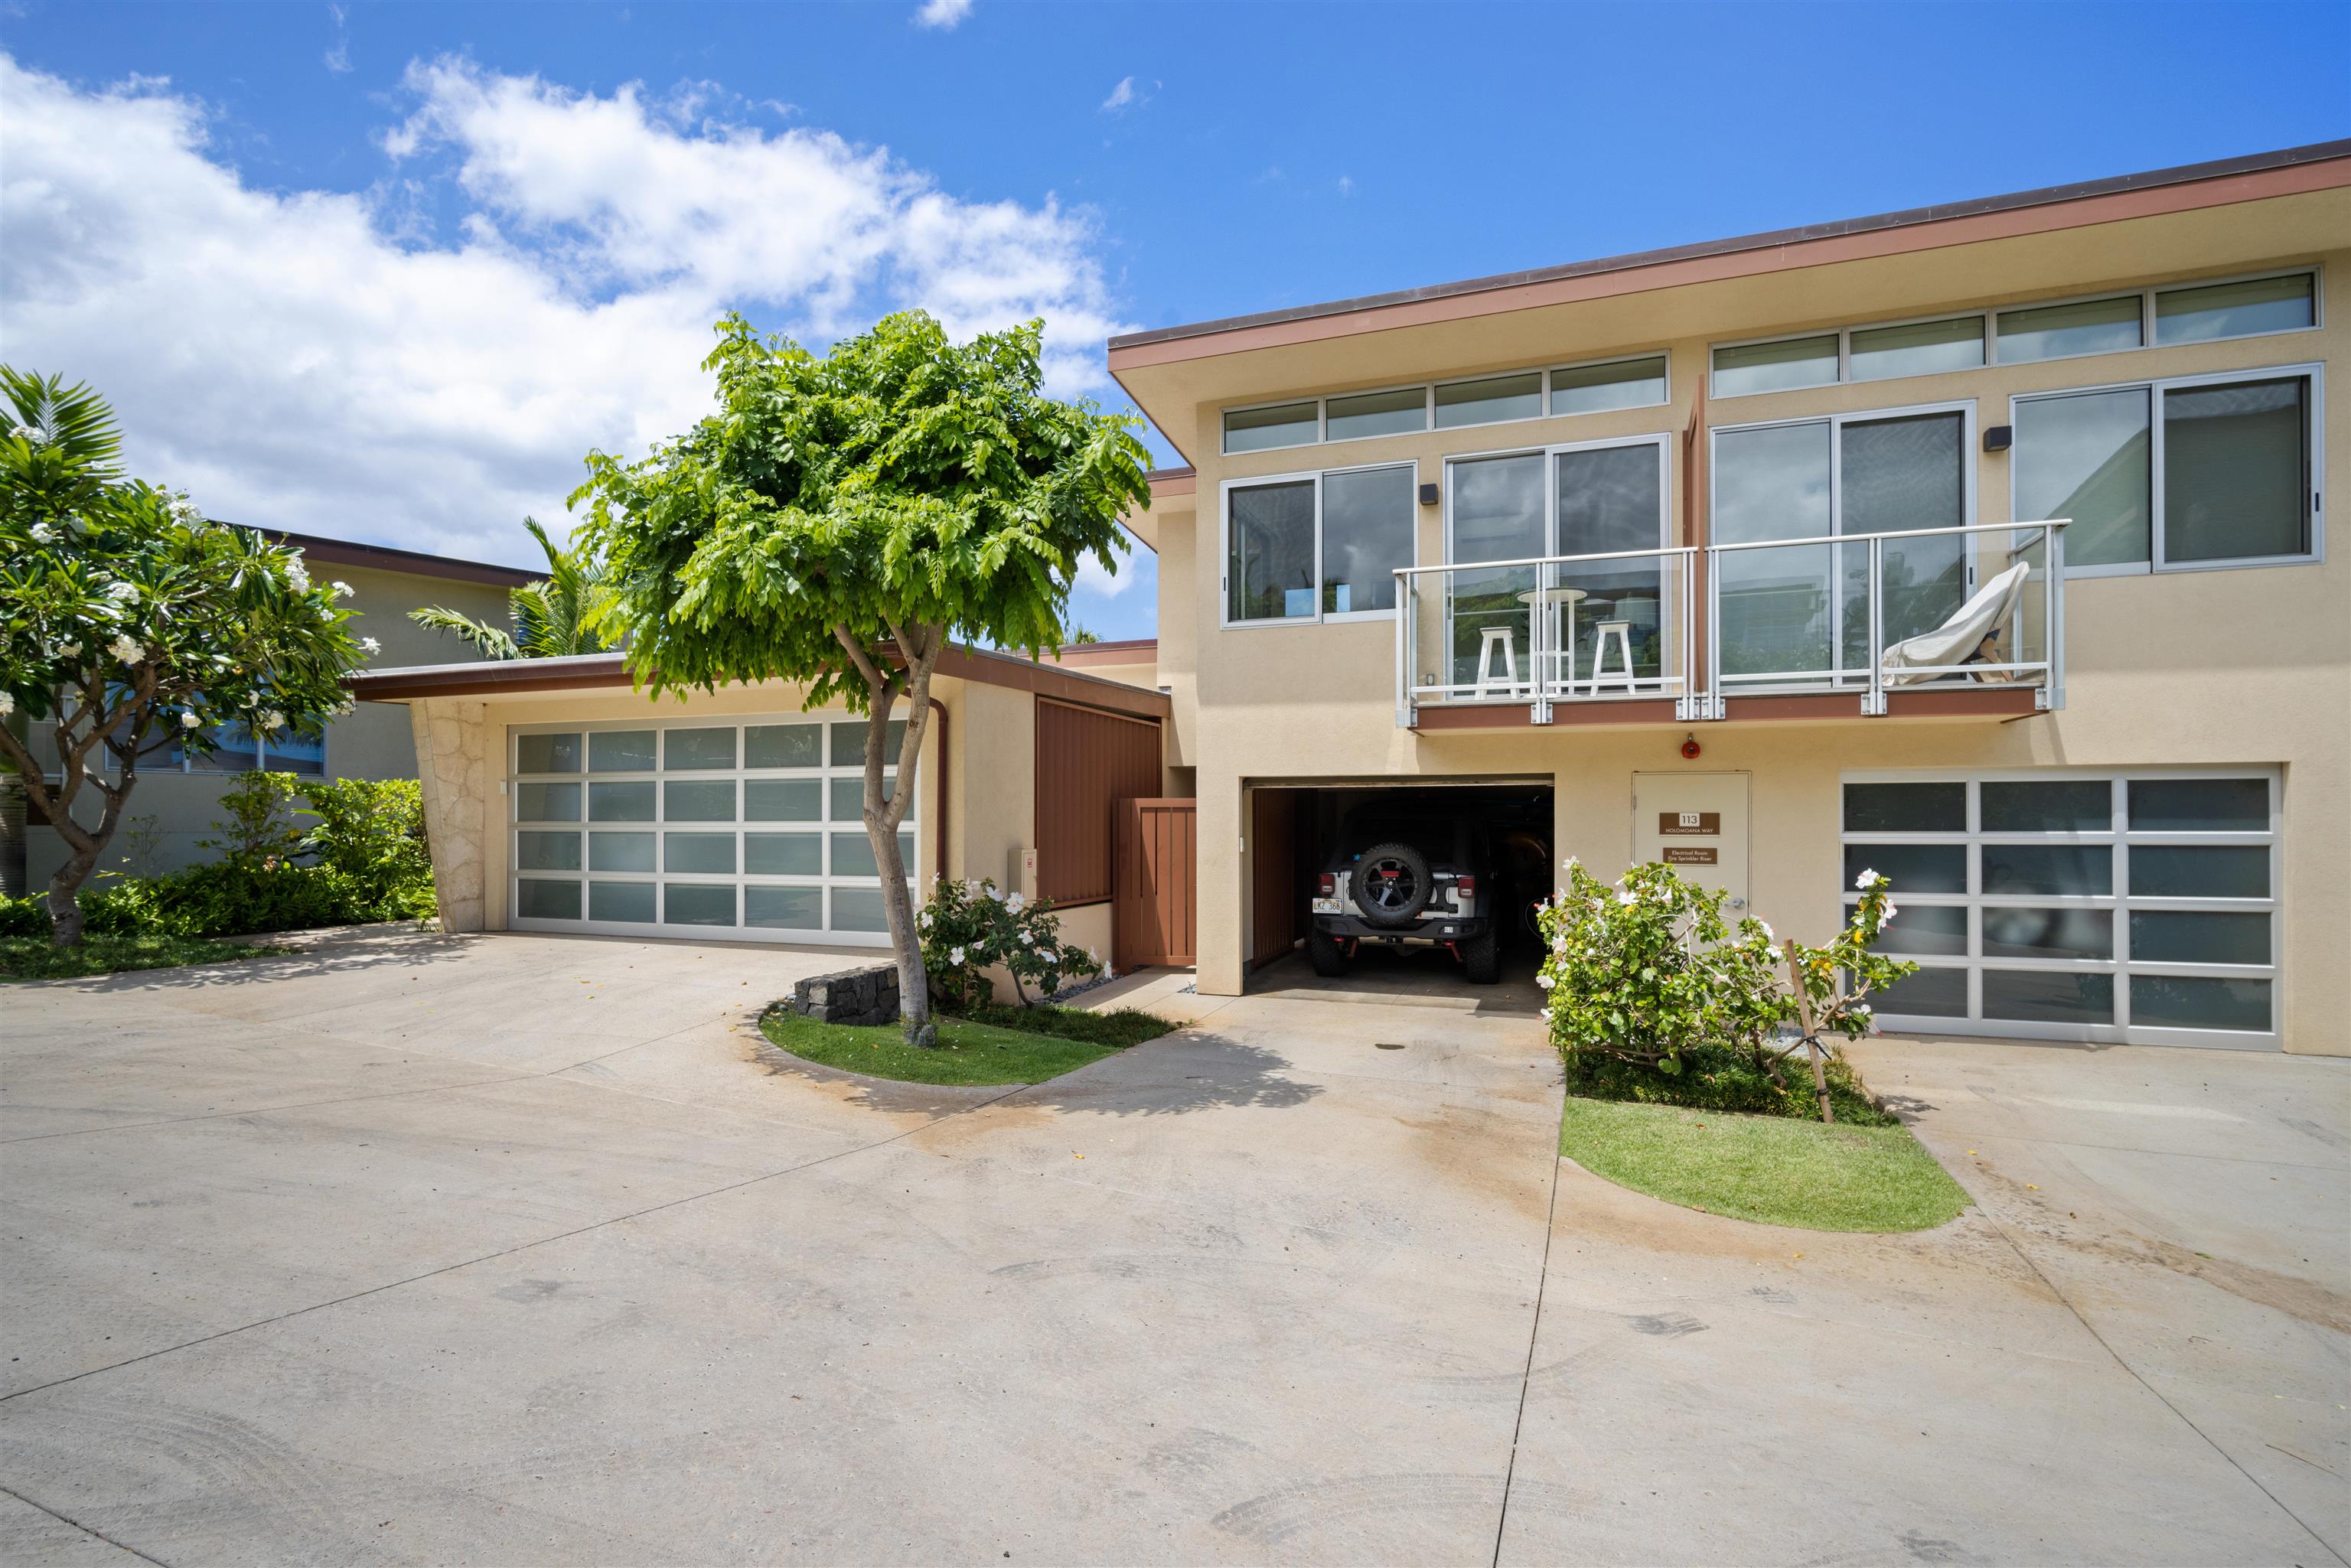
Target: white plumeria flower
[[43, 534], [123, 592], [369, 646], [954, 957], [26, 433], [126, 649], [69, 650], [7, 705], [189, 721], [186, 511], [296, 578], [273, 719], [342, 590]]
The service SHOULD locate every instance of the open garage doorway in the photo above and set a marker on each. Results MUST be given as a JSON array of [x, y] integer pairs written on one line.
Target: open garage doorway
[[1424, 889]]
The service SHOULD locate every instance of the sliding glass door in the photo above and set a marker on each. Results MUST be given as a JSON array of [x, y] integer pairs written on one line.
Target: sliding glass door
[[1801, 614], [1592, 499]]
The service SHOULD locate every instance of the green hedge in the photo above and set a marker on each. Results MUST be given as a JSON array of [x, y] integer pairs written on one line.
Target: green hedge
[[364, 859]]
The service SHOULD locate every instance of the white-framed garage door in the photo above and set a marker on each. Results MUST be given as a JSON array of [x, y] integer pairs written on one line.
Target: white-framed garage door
[[2135, 905], [745, 829]]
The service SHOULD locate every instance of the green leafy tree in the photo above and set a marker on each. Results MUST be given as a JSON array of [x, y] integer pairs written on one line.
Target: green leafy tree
[[127, 618], [552, 617], [838, 519]]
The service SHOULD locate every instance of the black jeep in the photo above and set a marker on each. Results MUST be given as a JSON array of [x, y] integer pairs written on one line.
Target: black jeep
[[1411, 874]]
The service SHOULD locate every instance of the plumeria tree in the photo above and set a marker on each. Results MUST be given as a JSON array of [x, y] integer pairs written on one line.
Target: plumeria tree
[[840, 519], [126, 619]]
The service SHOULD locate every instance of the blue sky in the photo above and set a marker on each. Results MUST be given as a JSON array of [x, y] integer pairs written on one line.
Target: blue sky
[[386, 271]]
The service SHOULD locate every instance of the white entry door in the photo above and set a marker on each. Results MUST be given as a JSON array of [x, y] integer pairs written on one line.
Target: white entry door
[[1697, 823]]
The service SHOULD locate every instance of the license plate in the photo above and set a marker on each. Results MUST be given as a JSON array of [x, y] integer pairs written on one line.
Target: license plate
[[1327, 906]]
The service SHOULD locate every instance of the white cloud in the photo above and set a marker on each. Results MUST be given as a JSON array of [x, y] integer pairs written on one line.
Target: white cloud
[[943, 13], [1120, 96], [338, 59], [322, 361], [1346, 185]]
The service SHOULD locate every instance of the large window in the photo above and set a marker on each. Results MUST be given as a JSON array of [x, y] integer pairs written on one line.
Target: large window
[[752, 829], [1592, 387], [2192, 472], [1802, 613], [1317, 547], [2138, 906], [237, 749]]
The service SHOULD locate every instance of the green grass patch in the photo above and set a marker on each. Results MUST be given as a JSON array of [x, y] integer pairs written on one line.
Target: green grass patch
[[35, 958], [1774, 1169], [1715, 1078], [976, 1050]]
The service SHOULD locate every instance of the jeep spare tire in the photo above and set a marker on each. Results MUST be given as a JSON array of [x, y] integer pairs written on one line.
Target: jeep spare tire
[[1392, 885]]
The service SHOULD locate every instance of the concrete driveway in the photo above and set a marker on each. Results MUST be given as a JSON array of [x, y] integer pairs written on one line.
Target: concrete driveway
[[525, 1250]]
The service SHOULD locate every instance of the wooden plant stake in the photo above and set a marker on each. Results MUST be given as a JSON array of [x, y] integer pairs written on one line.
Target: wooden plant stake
[[1812, 1041]]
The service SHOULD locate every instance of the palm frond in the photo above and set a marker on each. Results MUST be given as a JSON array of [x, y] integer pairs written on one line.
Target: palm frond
[[493, 642]]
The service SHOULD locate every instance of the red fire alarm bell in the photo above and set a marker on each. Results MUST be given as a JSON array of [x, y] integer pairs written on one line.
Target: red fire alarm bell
[[1690, 746]]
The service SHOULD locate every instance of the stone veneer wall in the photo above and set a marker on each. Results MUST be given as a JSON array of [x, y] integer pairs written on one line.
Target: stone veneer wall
[[453, 763]]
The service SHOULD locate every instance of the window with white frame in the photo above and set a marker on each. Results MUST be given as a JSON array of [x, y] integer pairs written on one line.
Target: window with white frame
[[1317, 547], [751, 828], [237, 749], [1596, 386], [2138, 905], [1802, 613], [2193, 471], [2104, 324]]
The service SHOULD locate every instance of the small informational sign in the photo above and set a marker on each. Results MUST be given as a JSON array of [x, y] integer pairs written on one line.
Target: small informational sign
[[1702, 824], [1677, 855]]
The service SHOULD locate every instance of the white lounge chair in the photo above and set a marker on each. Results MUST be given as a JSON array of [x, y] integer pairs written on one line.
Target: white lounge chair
[[1970, 636]]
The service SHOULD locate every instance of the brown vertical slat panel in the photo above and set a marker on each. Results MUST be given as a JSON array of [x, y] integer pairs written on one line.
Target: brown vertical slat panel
[[1086, 759], [1154, 919], [1273, 923]]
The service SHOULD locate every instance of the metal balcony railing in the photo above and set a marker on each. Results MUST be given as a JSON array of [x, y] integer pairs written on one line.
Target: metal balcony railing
[[1865, 613]]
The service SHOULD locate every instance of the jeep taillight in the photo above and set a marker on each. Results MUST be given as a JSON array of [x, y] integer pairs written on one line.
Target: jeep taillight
[[1326, 886], [1466, 887]]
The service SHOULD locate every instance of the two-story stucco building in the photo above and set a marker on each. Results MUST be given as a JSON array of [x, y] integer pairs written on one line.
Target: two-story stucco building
[[2058, 644], [1982, 546]]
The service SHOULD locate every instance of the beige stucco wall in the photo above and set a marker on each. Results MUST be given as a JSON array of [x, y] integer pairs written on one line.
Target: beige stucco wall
[[373, 741], [2227, 668]]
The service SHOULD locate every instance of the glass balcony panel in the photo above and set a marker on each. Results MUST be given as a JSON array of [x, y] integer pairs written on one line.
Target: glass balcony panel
[[1611, 499]]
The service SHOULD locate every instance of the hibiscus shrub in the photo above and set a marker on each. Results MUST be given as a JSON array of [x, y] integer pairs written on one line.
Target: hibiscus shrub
[[965, 927], [1655, 995]]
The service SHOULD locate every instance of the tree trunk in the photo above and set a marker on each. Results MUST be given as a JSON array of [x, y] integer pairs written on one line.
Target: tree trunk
[[921, 651], [1812, 1041]]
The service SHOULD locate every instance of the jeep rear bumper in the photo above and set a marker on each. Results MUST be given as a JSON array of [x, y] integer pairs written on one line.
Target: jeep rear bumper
[[1432, 931]]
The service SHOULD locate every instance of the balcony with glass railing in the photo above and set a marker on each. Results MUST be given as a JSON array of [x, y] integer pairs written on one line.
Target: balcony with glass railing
[[1941, 619]]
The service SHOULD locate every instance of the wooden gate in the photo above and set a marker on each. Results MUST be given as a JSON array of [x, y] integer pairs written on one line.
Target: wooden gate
[[1152, 912]]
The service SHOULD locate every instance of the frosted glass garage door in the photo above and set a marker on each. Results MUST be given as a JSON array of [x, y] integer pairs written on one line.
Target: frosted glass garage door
[[745, 830], [2139, 907]]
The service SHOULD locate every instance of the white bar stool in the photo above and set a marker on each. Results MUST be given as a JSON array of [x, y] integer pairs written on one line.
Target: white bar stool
[[1507, 679], [1622, 631]]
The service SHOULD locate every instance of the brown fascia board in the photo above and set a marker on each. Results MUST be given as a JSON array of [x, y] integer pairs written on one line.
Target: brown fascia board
[[588, 671], [2226, 181], [416, 563]]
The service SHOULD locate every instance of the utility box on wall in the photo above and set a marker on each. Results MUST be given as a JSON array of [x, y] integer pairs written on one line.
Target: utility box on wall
[[1022, 876]]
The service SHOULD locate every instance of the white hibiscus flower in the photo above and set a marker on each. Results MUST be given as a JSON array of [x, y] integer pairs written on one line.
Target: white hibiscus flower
[[1568, 864], [1626, 895], [1015, 901], [1544, 982], [954, 957], [1865, 878]]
